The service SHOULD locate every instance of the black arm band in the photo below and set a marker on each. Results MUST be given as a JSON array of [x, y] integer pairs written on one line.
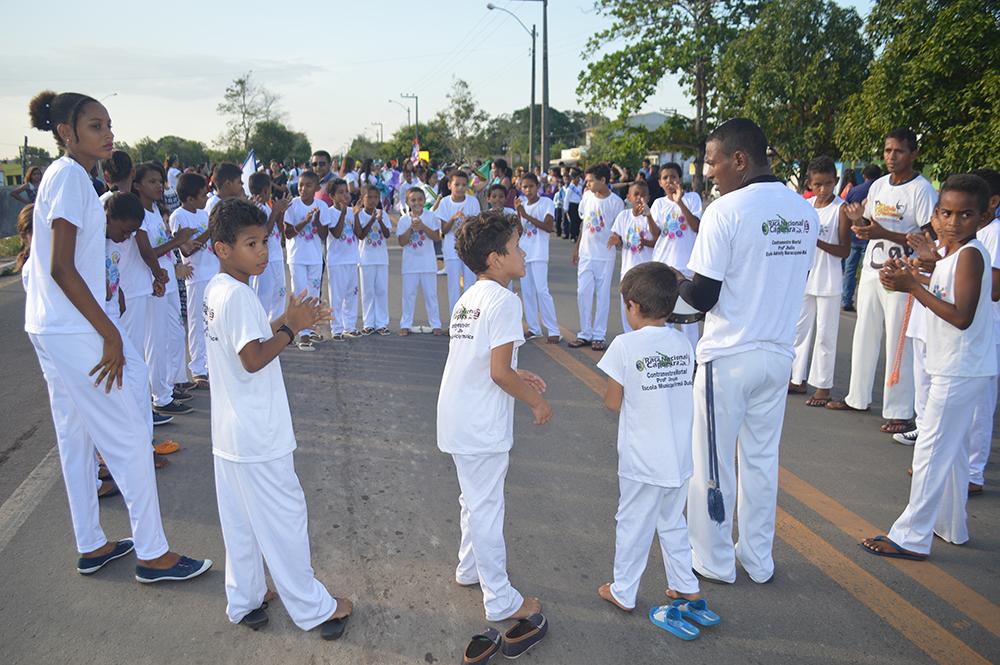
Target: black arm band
[[701, 293], [288, 331]]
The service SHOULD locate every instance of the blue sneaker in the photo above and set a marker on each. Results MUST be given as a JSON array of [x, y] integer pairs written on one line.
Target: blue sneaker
[[185, 569], [159, 419], [88, 565]]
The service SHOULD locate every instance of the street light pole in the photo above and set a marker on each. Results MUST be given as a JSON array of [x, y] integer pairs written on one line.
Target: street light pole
[[381, 132], [531, 109], [545, 82], [402, 105], [416, 113]]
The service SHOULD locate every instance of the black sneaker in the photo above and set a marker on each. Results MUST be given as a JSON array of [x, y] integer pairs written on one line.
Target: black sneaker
[[173, 409], [181, 396], [160, 419], [849, 308]]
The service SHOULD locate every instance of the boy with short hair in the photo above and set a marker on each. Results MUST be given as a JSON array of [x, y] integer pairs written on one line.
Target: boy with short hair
[[635, 231], [270, 284], [452, 211], [262, 508], [192, 190], [475, 410], [228, 180], [303, 229], [536, 214], [594, 260], [373, 235], [650, 380], [342, 257], [417, 238], [820, 315]]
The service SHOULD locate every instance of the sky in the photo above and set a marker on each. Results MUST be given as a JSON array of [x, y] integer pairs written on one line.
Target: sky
[[334, 67]]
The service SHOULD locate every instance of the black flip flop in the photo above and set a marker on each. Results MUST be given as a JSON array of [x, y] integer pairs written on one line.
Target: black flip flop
[[482, 648], [525, 634], [333, 629], [256, 619], [578, 342]]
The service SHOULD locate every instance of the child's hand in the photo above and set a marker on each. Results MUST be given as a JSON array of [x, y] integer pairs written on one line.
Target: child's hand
[[281, 203], [855, 212], [614, 240], [675, 194], [923, 245], [183, 271], [185, 234], [518, 205], [896, 275], [542, 412], [642, 209], [459, 215], [305, 312], [532, 380], [161, 276], [190, 247], [112, 364]]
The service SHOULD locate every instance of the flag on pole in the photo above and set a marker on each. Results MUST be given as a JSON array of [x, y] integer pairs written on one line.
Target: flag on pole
[[249, 168], [415, 153], [484, 170]]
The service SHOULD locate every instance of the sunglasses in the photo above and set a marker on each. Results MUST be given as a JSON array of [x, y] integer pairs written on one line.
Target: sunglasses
[[319, 164]]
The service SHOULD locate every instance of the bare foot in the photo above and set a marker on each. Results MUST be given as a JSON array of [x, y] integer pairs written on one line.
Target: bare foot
[[404, 332], [168, 560], [677, 595], [528, 607], [796, 388], [604, 591], [344, 609], [437, 332]]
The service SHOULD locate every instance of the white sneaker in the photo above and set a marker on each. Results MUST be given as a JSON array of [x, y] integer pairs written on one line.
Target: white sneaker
[[906, 438]]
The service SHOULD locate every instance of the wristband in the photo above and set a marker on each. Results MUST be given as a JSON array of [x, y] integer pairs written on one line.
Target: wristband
[[285, 329]]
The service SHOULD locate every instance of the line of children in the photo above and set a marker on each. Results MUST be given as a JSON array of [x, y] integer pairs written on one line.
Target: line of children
[[416, 233], [537, 222]]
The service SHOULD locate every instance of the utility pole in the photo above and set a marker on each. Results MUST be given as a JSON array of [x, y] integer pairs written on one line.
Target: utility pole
[[402, 105], [380, 134], [416, 113], [545, 82], [531, 109], [24, 161]]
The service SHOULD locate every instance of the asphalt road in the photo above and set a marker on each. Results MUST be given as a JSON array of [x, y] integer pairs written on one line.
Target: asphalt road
[[384, 526]]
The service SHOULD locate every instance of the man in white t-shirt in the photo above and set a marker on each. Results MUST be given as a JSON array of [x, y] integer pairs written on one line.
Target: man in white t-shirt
[[262, 509], [899, 203], [537, 215], [750, 262], [594, 260], [475, 410]]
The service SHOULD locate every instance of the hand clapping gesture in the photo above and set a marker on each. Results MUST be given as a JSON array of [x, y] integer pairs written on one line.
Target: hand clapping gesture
[[305, 312], [896, 275]]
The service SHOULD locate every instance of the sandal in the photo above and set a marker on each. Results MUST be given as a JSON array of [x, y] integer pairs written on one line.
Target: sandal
[[896, 427], [553, 339], [840, 405], [817, 401], [598, 345], [404, 332], [578, 342], [669, 618], [897, 552]]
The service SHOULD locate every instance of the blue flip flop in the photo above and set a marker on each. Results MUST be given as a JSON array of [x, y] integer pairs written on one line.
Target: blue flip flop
[[900, 553], [669, 619], [697, 611]]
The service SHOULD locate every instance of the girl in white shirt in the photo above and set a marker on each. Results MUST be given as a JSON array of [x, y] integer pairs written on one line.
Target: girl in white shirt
[[98, 373]]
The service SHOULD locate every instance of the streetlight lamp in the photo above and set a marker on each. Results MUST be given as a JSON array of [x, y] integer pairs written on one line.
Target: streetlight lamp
[[113, 94], [416, 113], [380, 134], [403, 106], [531, 109], [545, 81]]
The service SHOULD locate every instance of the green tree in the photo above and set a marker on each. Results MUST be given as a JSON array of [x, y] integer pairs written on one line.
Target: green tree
[[271, 139], [617, 142], [36, 156], [790, 73], [363, 147], [244, 104], [937, 72], [464, 121], [188, 151], [434, 138], [685, 37]]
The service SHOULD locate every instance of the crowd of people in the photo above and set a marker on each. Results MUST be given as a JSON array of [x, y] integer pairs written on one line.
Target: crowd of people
[[761, 264]]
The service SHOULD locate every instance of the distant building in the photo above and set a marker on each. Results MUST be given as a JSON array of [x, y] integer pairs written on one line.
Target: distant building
[[12, 173]]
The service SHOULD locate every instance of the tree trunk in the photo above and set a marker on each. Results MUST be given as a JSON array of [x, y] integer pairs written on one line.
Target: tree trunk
[[700, 124]]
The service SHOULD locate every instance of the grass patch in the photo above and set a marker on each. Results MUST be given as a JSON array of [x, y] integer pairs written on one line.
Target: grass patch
[[10, 246]]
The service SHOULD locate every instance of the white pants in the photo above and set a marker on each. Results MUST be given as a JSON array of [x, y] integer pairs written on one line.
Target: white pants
[[196, 328], [819, 319], [375, 296], [456, 270], [270, 288], [593, 277], [642, 511], [536, 297], [165, 347], [482, 555], [427, 282], [750, 392], [981, 433], [343, 286], [921, 380], [118, 424], [133, 322], [262, 511], [880, 312], [940, 485], [306, 278]]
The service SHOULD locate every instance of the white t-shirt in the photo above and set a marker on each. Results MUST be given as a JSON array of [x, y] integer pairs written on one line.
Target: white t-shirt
[[655, 366], [204, 262], [597, 216], [989, 236], [250, 417], [826, 277], [900, 208], [474, 415], [213, 198], [759, 242], [172, 174], [112, 260], [418, 254], [534, 241], [633, 231], [64, 193], [676, 239], [342, 251], [274, 251], [445, 211], [574, 192], [152, 224], [375, 246], [134, 276], [305, 248]]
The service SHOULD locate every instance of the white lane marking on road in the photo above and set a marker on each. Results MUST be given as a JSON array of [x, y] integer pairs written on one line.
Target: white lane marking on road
[[15, 510]]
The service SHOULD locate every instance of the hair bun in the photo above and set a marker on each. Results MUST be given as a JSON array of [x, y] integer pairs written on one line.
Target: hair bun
[[40, 110]]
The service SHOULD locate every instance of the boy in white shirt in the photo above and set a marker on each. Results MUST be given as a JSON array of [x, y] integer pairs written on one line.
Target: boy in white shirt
[[262, 508], [650, 380], [678, 214], [635, 231], [373, 235], [475, 410], [416, 233], [342, 257], [961, 361], [537, 221], [820, 314], [270, 284], [228, 180], [193, 191], [451, 212], [304, 232], [594, 260]]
